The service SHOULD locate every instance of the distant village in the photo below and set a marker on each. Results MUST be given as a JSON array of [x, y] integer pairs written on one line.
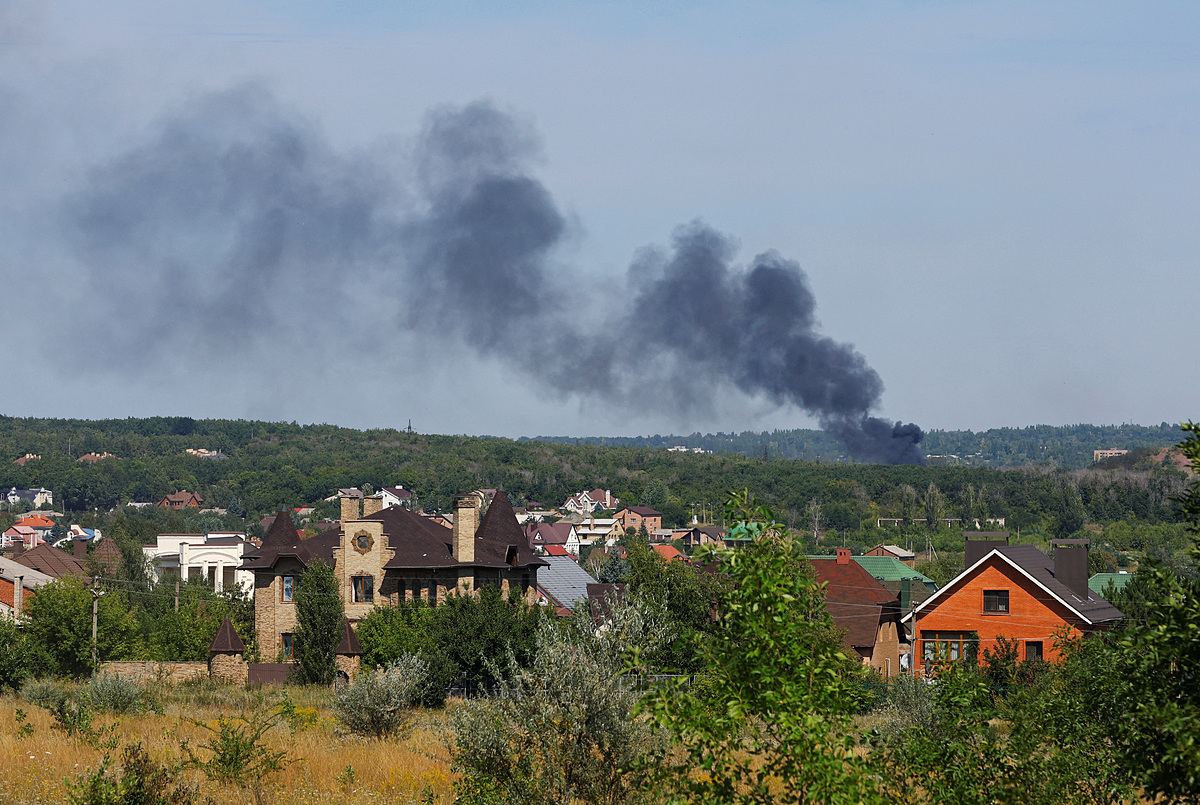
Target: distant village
[[385, 550]]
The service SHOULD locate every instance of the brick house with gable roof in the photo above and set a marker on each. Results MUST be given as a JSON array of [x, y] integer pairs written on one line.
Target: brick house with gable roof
[[1014, 591], [385, 556], [632, 518]]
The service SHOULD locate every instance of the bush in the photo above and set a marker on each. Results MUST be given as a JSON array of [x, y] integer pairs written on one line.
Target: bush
[[379, 703], [142, 781], [45, 693], [119, 694]]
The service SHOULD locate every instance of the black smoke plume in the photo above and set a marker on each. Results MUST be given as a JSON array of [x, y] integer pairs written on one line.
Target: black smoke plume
[[236, 226]]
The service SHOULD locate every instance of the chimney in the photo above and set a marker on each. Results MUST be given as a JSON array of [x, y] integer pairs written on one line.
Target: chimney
[[350, 509], [18, 547], [466, 522], [843, 556], [80, 549], [905, 595], [980, 547], [372, 504], [18, 597], [1071, 565]]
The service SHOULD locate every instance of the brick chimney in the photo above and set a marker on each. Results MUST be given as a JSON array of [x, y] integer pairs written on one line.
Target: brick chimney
[[1071, 565], [80, 549], [350, 509], [372, 504], [466, 523], [18, 597], [843, 556]]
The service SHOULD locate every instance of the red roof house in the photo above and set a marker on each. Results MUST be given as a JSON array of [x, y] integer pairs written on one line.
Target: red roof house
[[863, 607]]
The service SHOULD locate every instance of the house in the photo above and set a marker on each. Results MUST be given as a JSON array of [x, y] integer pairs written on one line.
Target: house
[[385, 556], [699, 535], [92, 458], [670, 553], [35, 498], [53, 562], [17, 585], [27, 457], [898, 579], [215, 557], [869, 614], [41, 526], [545, 535], [903, 554], [588, 502], [24, 535], [598, 530], [182, 500], [634, 518], [396, 496], [1014, 591], [563, 584]]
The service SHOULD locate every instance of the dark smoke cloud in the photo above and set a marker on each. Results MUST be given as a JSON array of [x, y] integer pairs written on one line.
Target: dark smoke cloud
[[236, 225]]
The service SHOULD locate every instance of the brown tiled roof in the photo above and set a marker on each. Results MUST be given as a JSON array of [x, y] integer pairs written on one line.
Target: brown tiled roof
[[419, 542], [643, 511], [52, 562], [282, 541], [856, 601], [601, 597], [227, 640], [108, 556], [349, 644]]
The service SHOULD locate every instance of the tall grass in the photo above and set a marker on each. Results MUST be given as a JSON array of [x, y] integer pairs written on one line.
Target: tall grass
[[33, 767]]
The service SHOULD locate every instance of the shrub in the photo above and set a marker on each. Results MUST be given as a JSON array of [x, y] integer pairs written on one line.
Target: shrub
[[45, 693], [142, 781], [236, 750], [379, 703], [119, 694]]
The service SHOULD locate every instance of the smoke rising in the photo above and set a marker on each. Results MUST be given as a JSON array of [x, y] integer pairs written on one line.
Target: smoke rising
[[235, 226]]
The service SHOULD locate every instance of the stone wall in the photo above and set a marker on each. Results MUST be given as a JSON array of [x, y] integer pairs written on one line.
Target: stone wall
[[154, 671], [228, 668], [349, 665]]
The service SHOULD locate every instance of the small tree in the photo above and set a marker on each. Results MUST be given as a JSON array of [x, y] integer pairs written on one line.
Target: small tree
[[319, 615]]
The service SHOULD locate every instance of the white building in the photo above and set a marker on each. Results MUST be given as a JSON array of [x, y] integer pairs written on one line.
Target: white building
[[214, 557]]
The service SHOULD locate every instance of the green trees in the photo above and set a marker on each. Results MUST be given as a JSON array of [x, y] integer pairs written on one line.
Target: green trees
[[319, 615], [59, 624], [771, 719]]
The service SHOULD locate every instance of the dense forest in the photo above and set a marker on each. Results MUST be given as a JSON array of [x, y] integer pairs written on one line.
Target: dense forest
[[1067, 447], [1128, 504]]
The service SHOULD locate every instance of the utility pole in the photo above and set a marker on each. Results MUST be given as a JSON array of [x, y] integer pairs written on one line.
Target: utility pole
[[95, 616]]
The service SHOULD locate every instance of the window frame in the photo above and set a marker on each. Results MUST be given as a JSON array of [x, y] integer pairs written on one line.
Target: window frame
[[287, 645], [362, 589], [1041, 653], [288, 588], [996, 602]]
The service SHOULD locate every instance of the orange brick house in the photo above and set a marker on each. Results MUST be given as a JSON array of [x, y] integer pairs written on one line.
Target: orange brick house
[[632, 518], [1014, 591]]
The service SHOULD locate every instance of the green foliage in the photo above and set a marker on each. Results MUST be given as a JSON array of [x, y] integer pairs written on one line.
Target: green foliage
[[1155, 681], [562, 729], [44, 693], [16, 655], [379, 703], [474, 632], [59, 624], [319, 615], [237, 751], [185, 634], [775, 725], [140, 781], [118, 694]]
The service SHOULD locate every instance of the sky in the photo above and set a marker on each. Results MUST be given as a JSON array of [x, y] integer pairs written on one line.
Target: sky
[[600, 218]]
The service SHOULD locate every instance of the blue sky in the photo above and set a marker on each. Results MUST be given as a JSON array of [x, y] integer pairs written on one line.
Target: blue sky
[[995, 203]]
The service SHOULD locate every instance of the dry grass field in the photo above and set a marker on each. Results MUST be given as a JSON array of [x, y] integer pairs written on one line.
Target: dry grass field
[[37, 760]]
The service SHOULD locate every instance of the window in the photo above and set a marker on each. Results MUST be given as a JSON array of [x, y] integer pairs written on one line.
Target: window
[[433, 592], [289, 588], [1033, 649], [285, 646], [946, 646], [364, 589], [364, 542], [995, 601]]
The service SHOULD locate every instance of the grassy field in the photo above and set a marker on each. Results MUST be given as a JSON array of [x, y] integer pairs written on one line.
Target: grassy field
[[38, 761]]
